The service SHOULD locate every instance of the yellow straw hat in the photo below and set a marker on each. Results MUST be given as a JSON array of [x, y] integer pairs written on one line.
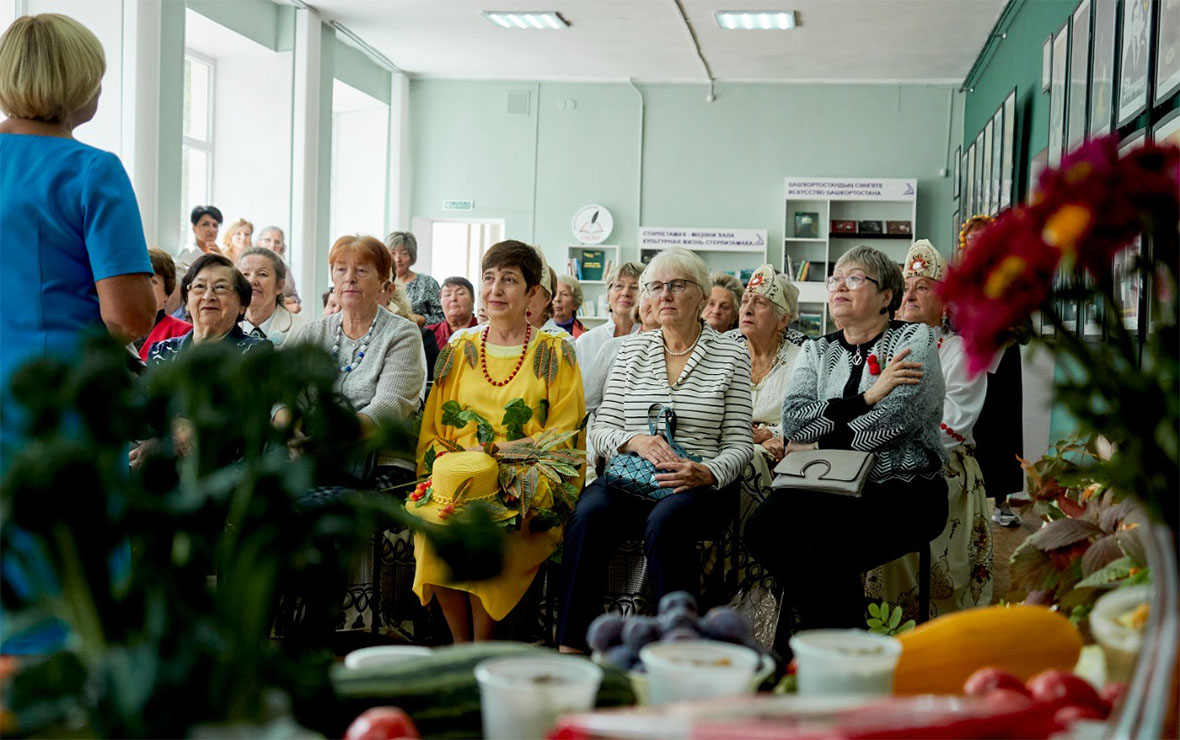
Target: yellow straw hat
[[458, 479]]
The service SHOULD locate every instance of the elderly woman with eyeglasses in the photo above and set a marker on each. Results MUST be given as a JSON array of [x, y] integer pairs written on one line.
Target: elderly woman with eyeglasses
[[873, 386], [704, 379]]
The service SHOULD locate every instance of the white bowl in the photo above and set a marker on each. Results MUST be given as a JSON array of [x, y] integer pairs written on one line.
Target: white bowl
[[845, 662], [696, 669], [1120, 645], [522, 696], [384, 655]]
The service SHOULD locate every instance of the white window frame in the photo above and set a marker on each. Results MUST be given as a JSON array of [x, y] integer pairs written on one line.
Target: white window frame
[[203, 145]]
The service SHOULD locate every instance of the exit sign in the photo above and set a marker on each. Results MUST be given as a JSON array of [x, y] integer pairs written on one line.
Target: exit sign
[[458, 205]]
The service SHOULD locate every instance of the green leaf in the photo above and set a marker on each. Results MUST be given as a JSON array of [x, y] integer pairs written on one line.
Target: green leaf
[[444, 363], [906, 626], [1113, 571], [462, 490], [549, 472], [875, 623], [874, 610], [484, 432], [542, 411], [895, 618], [568, 354], [428, 459], [544, 521], [507, 475], [516, 414], [425, 498], [452, 414], [470, 353]]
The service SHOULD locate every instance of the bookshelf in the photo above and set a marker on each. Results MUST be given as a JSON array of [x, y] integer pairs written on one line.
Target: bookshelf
[[738, 261], [593, 310], [812, 245]]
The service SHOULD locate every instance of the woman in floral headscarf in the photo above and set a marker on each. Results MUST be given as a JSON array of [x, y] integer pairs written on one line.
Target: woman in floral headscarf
[[961, 557]]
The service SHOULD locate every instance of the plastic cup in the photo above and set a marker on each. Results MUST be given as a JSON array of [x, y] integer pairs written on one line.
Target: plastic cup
[[522, 697], [697, 669], [845, 662], [1120, 644], [384, 655]]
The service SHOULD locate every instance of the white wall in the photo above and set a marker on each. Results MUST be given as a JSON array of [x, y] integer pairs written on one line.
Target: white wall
[[360, 139], [105, 19]]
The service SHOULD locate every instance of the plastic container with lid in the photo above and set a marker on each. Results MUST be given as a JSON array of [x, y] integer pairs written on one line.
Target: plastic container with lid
[[522, 697], [845, 662], [695, 669]]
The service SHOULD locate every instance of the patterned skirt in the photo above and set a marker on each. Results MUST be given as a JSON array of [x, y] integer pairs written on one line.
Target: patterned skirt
[[960, 557]]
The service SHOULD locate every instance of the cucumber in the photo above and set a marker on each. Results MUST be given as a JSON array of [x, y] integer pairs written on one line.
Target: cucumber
[[440, 692]]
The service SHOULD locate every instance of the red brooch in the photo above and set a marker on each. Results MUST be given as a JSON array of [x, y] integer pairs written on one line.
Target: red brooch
[[874, 366]]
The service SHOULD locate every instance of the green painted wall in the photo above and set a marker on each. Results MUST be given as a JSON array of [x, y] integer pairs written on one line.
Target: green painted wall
[[258, 20], [719, 164], [352, 67]]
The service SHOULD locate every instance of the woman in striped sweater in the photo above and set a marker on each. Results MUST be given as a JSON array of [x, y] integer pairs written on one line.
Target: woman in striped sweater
[[875, 386], [705, 378]]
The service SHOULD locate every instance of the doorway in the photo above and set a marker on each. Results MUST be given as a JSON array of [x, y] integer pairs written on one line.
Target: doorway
[[455, 247]]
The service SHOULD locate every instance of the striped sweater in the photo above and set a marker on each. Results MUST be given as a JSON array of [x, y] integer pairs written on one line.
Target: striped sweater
[[711, 400], [825, 402]]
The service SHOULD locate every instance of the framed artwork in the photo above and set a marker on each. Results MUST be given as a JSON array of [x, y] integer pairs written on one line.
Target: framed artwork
[[969, 182], [997, 159], [1008, 161], [1128, 282], [1167, 51], [1134, 53], [957, 225], [1036, 165], [1167, 129], [1057, 96], [1046, 64], [1079, 69], [980, 173], [958, 159], [1102, 78], [985, 166]]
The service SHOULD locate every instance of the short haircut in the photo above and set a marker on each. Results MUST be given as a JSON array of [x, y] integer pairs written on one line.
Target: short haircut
[[403, 240], [227, 234], [730, 283], [267, 229], [164, 266], [512, 253], [463, 283], [879, 267], [627, 269], [399, 302], [327, 294], [51, 66], [367, 248], [200, 211], [276, 263], [575, 288], [212, 259], [680, 261]]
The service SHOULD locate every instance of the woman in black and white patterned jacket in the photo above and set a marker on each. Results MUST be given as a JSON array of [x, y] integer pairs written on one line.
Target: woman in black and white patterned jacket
[[875, 386]]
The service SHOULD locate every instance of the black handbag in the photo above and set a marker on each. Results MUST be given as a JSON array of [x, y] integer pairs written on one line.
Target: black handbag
[[635, 475]]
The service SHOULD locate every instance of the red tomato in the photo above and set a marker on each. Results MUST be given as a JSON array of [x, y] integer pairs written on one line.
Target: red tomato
[[381, 723], [986, 680], [1071, 713], [1060, 688]]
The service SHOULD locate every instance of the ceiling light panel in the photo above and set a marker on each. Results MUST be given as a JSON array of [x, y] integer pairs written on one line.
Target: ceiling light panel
[[546, 21], [755, 20]]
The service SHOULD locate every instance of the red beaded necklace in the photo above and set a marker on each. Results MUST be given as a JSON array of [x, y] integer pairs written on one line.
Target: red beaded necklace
[[483, 356]]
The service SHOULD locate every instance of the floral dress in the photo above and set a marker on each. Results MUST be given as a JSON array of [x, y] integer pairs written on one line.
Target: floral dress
[[425, 297]]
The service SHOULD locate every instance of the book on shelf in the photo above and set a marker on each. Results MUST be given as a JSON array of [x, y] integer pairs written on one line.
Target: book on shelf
[[573, 266], [811, 324], [606, 268], [592, 264]]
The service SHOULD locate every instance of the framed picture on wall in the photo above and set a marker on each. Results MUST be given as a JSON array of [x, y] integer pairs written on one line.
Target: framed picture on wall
[[1057, 92], [968, 199], [1008, 161], [1134, 53], [957, 160], [1036, 165], [1167, 129], [1079, 69], [980, 173], [957, 225], [985, 166], [997, 159], [1046, 64], [1102, 77], [1128, 282], [1167, 51]]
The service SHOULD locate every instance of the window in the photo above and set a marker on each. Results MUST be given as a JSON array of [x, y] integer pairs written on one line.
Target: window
[[457, 248], [196, 164]]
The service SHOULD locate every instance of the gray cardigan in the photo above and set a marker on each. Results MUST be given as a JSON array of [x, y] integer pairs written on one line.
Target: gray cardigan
[[825, 402], [388, 381]]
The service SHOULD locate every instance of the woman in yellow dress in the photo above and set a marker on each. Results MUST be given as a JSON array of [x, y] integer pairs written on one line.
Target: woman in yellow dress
[[520, 388]]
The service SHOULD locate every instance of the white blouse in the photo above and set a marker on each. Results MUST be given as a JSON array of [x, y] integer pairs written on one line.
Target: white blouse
[[964, 394]]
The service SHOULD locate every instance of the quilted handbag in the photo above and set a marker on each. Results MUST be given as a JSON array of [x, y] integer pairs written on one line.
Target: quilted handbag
[[832, 471], [635, 475]]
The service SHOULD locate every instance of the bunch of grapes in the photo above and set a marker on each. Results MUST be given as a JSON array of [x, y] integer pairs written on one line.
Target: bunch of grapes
[[619, 640]]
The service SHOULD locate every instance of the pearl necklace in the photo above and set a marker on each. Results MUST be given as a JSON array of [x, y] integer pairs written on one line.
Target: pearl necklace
[[359, 352], [685, 352], [483, 356]]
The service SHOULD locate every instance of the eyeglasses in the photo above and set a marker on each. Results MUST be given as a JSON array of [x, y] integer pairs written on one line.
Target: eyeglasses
[[624, 288], [675, 287], [854, 282], [219, 290]]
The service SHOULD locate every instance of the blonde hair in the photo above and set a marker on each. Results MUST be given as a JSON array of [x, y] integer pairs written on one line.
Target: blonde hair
[[51, 66], [399, 302], [227, 237]]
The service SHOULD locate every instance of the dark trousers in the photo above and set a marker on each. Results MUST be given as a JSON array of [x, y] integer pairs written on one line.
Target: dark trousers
[[604, 518], [817, 544]]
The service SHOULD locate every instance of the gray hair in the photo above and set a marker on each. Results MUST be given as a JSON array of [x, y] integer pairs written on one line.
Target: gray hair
[[730, 283], [677, 260], [627, 269], [272, 228], [879, 267], [575, 288], [403, 240], [276, 262]]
